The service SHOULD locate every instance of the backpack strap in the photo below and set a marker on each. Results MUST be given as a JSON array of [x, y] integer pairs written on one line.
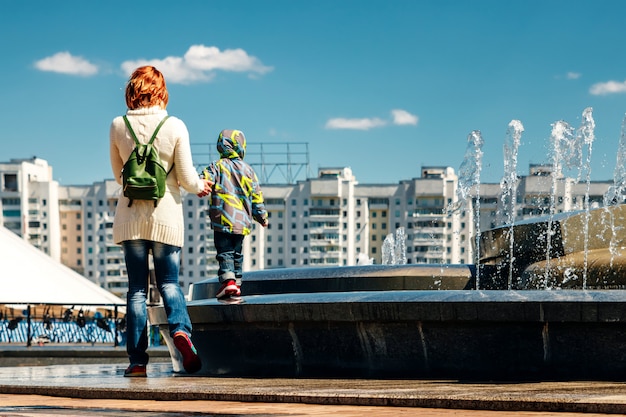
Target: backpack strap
[[137, 143], [157, 129], [132, 132], [154, 137]]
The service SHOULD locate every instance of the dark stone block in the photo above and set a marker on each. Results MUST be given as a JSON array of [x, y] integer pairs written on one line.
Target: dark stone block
[[323, 327]]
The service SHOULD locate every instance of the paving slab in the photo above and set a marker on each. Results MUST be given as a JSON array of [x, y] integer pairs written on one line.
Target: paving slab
[[106, 382], [86, 381]]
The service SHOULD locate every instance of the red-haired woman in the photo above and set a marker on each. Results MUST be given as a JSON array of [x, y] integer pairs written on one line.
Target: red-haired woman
[[143, 228]]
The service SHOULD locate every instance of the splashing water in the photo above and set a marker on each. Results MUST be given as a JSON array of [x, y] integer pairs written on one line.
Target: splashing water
[[563, 152], [388, 255], [615, 193], [394, 248], [363, 259], [508, 185], [586, 137], [400, 246], [469, 172], [469, 179], [568, 149]]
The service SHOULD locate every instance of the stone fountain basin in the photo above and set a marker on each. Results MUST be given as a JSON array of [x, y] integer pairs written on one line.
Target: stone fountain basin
[[407, 333]]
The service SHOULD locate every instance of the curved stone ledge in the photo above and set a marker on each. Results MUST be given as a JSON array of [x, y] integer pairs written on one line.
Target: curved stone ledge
[[411, 334]]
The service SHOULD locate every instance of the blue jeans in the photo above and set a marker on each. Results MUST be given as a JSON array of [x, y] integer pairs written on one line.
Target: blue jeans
[[166, 260], [229, 255]]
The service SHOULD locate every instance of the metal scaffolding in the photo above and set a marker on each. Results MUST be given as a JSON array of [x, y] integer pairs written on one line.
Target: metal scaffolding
[[290, 160]]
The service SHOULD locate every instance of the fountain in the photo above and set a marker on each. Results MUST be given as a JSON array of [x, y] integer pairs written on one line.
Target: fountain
[[544, 300]]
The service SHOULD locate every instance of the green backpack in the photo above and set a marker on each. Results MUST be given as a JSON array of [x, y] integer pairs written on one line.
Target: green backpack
[[143, 175]]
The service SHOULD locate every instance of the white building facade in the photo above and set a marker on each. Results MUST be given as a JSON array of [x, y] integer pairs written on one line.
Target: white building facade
[[29, 203], [329, 220]]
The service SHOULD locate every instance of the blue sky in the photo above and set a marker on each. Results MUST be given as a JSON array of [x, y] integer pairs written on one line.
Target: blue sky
[[381, 86]]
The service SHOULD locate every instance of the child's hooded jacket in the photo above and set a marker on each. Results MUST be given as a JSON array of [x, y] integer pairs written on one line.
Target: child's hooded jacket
[[236, 198]]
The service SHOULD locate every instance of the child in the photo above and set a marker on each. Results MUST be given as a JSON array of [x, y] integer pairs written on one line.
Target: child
[[236, 199]]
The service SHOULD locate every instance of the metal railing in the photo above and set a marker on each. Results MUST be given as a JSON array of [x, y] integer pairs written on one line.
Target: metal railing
[[62, 324]]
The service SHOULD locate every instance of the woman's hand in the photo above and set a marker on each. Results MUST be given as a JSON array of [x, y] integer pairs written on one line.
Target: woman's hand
[[208, 187]]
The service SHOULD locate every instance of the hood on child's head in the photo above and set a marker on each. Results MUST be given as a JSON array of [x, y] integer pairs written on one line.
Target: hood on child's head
[[231, 144]]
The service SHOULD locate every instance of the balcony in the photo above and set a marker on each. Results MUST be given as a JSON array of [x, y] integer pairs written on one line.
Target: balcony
[[428, 211]]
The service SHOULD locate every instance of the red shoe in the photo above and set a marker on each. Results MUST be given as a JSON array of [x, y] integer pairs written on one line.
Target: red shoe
[[191, 360], [135, 371], [229, 288]]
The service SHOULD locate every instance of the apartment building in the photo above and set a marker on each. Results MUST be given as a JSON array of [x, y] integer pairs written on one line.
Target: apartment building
[[329, 220], [29, 203]]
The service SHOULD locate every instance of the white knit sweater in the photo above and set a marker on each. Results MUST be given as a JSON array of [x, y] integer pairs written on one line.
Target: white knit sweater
[[164, 223]]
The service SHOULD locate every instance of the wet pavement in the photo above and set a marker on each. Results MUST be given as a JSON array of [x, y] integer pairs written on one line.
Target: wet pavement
[[91, 389]]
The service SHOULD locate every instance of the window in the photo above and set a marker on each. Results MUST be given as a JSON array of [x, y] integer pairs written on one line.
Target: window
[[10, 182]]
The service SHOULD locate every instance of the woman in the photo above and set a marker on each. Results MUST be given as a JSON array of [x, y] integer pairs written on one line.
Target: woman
[[143, 227]]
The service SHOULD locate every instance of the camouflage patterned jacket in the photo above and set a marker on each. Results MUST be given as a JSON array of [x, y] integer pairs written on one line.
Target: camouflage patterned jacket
[[236, 198]]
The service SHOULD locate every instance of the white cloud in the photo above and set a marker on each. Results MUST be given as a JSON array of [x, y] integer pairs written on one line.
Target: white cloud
[[65, 63], [400, 118], [173, 68], [355, 124], [609, 87], [211, 58], [403, 117], [200, 63], [573, 75]]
